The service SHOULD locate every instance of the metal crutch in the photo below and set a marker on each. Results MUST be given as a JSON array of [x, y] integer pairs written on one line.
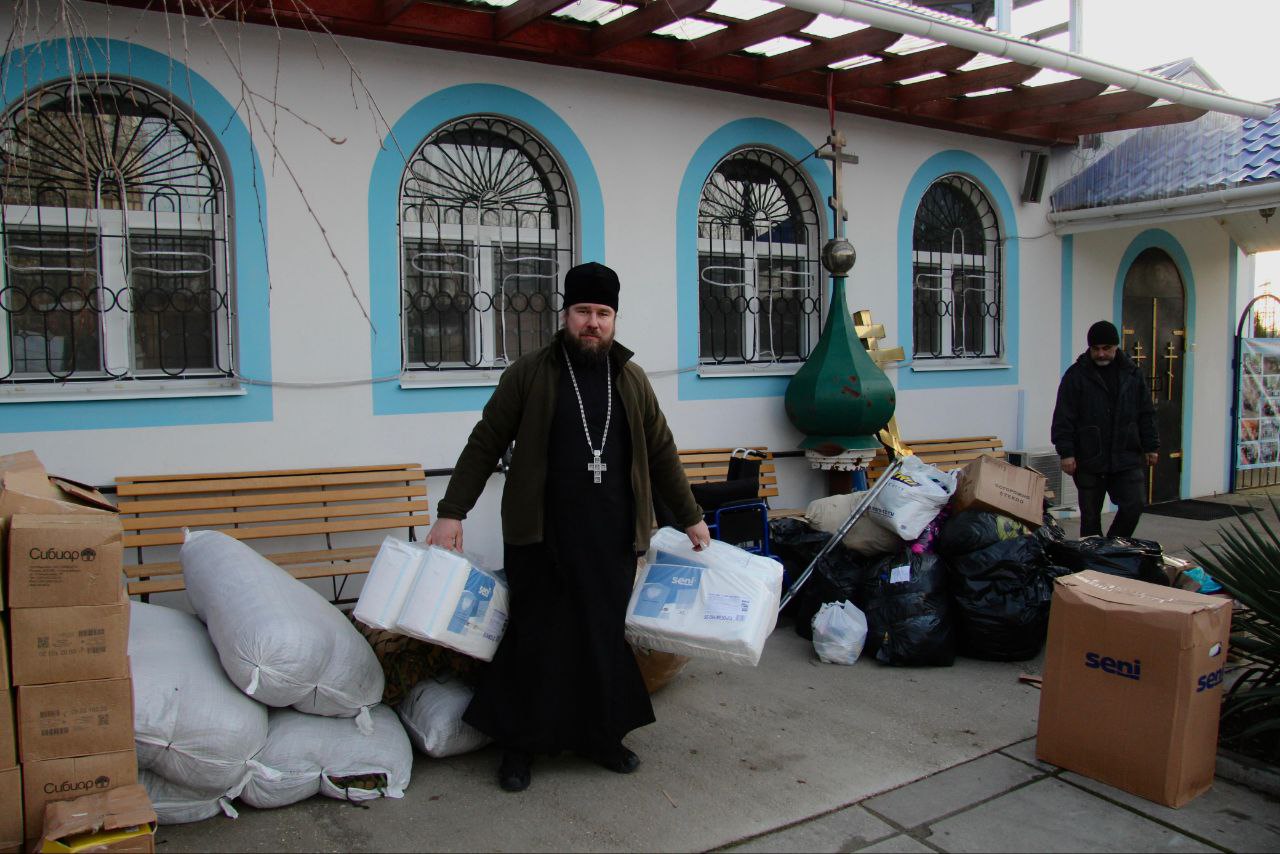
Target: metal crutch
[[843, 529]]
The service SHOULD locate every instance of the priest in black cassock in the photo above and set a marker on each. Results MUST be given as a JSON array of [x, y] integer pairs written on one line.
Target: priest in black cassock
[[591, 448]]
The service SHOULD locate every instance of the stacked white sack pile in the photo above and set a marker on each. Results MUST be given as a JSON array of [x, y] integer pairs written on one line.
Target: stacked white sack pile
[[202, 727], [719, 603], [437, 596]]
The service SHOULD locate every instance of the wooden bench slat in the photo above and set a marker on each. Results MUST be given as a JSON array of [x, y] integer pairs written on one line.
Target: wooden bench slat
[[172, 583], [339, 526], [157, 478], [215, 520], [146, 570], [258, 499], [225, 484]]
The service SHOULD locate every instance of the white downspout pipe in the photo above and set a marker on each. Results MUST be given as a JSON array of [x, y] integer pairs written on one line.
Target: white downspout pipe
[[1029, 53]]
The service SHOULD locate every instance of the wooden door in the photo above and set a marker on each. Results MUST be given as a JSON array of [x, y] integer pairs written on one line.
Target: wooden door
[[1154, 336]]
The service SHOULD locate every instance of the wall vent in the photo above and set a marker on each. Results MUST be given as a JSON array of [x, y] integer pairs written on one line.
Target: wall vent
[[1045, 461]]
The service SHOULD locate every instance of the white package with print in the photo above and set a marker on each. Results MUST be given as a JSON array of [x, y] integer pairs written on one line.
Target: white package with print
[[455, 603], [839, 632], [912, 498], [387, 585], [720, 603]]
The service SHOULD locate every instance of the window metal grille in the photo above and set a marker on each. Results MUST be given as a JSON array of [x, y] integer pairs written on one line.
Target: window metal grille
[[113, 240], [759, 278], [957, 279], [486, 232]]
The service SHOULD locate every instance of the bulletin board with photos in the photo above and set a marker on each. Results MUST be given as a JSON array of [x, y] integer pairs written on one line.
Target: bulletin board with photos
[[1259, 422]]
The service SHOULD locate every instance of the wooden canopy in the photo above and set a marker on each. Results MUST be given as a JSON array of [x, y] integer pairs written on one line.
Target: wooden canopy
[[884, 80]]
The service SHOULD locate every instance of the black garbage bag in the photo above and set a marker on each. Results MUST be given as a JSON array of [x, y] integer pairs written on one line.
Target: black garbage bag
[[840, 575], [910, 614], [971, 530], [1002, 595], [1127, 558]]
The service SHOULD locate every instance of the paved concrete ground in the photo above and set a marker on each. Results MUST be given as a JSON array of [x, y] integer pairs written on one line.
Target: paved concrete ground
[[791, 755]]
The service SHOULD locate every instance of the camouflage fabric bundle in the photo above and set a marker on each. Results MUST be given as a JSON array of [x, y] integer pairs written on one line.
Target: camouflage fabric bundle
[[407, 661]]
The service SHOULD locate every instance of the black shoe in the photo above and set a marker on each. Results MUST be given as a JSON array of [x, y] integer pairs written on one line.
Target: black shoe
[[516, 771], [617, 758]]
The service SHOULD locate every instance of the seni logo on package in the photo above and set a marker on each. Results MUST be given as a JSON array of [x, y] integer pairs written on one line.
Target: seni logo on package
[[473, 603], [1212, 679], [668, 591], [1115, 666]]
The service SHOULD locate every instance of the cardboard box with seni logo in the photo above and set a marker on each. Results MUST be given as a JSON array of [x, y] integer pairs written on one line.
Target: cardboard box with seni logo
[[1132, 685]]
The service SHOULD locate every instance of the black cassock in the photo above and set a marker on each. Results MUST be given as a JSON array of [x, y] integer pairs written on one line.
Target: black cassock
[[564, 677]]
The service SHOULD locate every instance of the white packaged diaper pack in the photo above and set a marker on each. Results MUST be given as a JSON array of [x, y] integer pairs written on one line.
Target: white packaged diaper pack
[[719, 603], [387, 585], [455, 603]]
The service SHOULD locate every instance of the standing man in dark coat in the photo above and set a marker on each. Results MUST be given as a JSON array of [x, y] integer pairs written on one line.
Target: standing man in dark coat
[[591, 447], [1104, 429]]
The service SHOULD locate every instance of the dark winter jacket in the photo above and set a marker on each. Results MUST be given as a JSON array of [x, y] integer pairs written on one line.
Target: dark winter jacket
[[521, 409], [1083, 417]]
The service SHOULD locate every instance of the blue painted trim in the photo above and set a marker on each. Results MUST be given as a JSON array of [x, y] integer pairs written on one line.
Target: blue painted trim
[[1158, 238], [734, 135], [384, 203], [1233, 320], [1067, 301], [27, 68], [971, 166]]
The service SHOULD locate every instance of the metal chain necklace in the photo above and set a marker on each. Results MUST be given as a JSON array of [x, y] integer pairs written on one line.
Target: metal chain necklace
[[595, 466]]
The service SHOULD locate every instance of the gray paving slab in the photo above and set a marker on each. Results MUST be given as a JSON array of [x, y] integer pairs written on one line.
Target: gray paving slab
[[933, 797], [1049, 816], [900, 844], [1228, 815], [843, 830], [1025, 751]]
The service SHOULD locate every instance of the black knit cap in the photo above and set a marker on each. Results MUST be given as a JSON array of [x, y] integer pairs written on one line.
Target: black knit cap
[[1103, 333], [591, 282]]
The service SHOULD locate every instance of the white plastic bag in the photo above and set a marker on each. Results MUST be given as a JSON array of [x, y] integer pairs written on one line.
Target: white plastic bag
[[306, 755], [280, 641], [191, 725], [432, 715], [912, 498], [839, 632], [867, 537], [719, 603]]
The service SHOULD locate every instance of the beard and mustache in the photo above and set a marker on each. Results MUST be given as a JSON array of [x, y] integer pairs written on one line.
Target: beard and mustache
[[587, 354]]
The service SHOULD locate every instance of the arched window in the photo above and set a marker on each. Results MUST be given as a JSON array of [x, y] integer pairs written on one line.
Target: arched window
[[957, 279], [486, 232], [114, 237], [759, 278]]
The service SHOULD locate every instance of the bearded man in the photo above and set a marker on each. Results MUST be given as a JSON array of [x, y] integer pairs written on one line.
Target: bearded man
[[1104, 429], [591, 447]]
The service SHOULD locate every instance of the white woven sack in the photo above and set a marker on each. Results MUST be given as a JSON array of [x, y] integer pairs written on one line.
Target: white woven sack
[[912, 498], [178, 804], [839, 632], [719, 603], [280, 641], [190, 724], [432, 715], [866, 537], [306, 755]]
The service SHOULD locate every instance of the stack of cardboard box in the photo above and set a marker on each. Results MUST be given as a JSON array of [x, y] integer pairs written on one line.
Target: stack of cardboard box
[[71, 701]]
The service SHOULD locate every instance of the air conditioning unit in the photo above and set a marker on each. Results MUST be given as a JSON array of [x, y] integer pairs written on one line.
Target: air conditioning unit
[[1045, 461]]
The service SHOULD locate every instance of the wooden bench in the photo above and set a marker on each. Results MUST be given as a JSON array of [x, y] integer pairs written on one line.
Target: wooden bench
[[946, 454], [326, 507], [708, 464]]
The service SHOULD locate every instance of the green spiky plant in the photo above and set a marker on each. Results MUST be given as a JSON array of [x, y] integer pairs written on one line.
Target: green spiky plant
[[1247, 564]]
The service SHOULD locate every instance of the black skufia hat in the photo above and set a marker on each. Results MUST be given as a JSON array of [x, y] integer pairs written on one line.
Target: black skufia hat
[[1103, 333], [591, 282]]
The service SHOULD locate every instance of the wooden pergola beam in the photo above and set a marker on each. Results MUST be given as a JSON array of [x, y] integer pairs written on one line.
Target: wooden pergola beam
[[1026, 98], [1099, 107], [817, 56], [944, 58], [644, 21], [960, 82], [1165, 114], [510, 19], [779, 22]]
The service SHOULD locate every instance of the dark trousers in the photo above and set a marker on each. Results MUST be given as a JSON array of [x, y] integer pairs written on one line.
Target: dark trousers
[[1127, 489]]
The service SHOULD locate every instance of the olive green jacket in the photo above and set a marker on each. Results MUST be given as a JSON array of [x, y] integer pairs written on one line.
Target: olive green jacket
[[521, 409]]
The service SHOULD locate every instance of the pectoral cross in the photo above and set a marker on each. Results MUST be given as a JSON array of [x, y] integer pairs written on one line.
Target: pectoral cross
[[596, 467]]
